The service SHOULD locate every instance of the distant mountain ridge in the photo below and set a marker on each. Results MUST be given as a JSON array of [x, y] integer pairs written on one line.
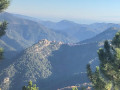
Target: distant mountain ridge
[[56, 62], [106, 35], [23, 33], [78, 32], [49, 64]]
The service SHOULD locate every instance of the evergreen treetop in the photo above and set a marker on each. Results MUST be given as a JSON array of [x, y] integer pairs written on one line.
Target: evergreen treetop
[[4, 4], [107, 75], [30, 86], [3, 25]]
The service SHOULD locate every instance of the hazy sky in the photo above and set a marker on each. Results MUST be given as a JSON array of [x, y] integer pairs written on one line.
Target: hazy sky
[[77, 10]]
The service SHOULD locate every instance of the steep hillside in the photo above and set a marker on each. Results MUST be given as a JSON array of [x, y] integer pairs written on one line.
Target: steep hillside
[[95, 27], [64, 24], [49, 61], [100, 27], [75, 31], [79, 31], [71, 29], [23, 33], [106, 35]]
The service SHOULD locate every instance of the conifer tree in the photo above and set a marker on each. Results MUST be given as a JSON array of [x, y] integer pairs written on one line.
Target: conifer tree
[[107, 75], [3, 25], [30, 86]]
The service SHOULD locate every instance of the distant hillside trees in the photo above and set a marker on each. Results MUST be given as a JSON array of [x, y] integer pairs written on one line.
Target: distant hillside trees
[[107, 75], [3, 25], [30, 86]]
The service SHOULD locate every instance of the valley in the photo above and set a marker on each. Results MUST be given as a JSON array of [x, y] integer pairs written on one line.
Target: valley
[[46, 52]]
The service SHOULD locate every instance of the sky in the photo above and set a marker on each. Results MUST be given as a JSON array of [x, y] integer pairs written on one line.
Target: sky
[[83, 11]]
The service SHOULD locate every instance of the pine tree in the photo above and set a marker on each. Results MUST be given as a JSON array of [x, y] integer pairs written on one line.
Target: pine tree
[[30, 86], [3, 25], [107, 75]]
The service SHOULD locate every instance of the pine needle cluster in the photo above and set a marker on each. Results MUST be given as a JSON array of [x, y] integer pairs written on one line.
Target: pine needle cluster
[[107, 75]]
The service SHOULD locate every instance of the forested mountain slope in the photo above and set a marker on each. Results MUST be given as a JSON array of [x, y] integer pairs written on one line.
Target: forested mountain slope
[[76, 31], [106, 35], [46, 61], [22, 33]]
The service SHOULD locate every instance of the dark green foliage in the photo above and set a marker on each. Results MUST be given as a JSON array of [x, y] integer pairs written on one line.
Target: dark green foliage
[[3, 25], [99, 83], [108, 76], [106, 46], [116, 40], [1, 53], [89, 72], [4, 4], [30, 86], [24, 88]]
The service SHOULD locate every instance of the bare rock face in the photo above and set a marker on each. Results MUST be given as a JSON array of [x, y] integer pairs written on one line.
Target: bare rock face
[[48, 63], [6, 80]]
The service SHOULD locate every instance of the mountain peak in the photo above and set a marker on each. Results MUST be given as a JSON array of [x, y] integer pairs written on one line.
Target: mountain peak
[[42, 44], [44, 41], [66, 21]]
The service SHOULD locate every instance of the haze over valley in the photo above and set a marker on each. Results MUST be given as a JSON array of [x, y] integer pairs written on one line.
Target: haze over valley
[[49, 48], [46, 51]]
